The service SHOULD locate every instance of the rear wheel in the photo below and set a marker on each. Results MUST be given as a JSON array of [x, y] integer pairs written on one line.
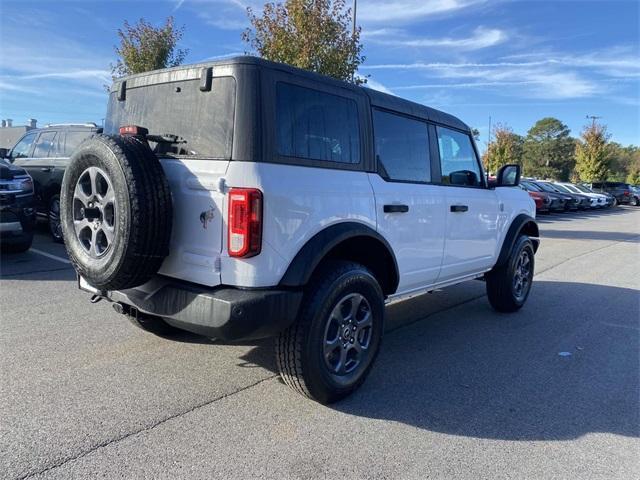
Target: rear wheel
[[55, 227], [634, 201], [330, 349], [508, 286]]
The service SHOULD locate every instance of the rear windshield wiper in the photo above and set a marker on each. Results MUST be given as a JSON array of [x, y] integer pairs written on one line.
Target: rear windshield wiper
[[165, 138], [165, 143], [169, 143]]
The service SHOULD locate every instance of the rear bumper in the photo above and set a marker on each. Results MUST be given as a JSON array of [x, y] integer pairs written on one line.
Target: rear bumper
[[225, 312]]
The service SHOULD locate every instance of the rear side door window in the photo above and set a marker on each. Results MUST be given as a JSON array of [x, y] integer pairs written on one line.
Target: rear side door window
[[57, 149], [402, 147], [43, 145], [23, 147], [315, 125], [458, 160]]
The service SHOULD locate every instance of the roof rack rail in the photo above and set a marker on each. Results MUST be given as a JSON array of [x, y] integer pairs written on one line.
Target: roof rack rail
[[85, 124]]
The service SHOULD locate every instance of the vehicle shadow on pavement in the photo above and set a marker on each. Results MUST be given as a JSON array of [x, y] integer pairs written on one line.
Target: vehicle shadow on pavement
[[591, 235], [560, 368]]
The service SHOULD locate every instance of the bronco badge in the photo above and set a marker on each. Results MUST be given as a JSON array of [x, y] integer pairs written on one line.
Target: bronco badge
[[207, 216]]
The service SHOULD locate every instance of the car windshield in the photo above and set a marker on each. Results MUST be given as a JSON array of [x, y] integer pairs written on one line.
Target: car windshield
[[562, 188], [584, 189], [547, 187], [531, 187], [571, 188]]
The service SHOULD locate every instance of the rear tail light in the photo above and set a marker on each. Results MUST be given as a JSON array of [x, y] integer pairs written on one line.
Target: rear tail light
[[133, 130], [245, 222], [627, 193]]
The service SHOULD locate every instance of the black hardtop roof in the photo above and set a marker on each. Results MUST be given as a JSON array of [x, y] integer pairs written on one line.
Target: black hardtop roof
[[377, 98]]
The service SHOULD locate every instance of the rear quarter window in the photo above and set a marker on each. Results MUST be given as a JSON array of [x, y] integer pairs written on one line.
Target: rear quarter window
[[72, 140], [316, 125]]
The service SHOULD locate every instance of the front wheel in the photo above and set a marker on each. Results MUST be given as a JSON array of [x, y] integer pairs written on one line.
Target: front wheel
[[508, 286], [634, 201], [330, 349], [18, 247]]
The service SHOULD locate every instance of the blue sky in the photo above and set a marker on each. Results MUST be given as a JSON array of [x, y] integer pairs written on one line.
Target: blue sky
[[516, 61]]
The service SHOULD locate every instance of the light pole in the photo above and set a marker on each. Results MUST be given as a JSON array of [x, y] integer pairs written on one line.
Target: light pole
[[355, 11], [593, 120]]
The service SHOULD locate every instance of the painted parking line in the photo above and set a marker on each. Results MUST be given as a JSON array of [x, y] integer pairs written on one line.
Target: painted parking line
[[48, 255]]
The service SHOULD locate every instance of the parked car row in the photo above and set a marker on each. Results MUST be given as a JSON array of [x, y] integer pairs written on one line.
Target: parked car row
[[624, 193], [564, 196], [44, 153]]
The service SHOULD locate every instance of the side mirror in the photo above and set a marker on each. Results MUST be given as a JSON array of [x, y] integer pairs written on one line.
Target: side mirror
[[4, 152], [463, 177], [508, 176]]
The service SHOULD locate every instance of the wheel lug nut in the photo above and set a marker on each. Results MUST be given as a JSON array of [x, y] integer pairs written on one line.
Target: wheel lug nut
[[351, 340], [353, 328]]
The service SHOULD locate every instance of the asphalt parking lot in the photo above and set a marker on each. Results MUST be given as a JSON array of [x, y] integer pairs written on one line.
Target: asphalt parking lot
[[457, 391]]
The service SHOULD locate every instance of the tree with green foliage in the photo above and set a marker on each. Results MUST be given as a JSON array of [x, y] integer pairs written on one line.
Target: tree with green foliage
[[548, 150], [312, 34], [633, 177], [506, 147], [144, 47], [592, 153], [624, 162]]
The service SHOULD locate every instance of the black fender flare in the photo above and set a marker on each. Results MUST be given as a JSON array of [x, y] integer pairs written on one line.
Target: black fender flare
[[317, 247], [521, 224]]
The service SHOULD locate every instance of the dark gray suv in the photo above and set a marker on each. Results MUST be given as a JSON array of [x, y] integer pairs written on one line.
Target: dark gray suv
[[44, 153]]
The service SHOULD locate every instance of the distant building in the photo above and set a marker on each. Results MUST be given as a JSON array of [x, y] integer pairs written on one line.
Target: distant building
[[9, 134]]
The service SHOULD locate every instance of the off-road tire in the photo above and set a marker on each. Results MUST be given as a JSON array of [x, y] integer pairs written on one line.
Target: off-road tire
[[500, 280], [299, 349], [53, 219], [17, 247], [143, 218]]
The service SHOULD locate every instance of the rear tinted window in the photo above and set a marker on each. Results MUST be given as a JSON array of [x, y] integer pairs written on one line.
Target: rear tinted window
[[402, 147], [316, 125], [204, 120]]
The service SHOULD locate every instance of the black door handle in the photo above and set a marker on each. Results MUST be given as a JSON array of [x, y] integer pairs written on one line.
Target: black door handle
[[459, 208], [46, 169], [395, 208]]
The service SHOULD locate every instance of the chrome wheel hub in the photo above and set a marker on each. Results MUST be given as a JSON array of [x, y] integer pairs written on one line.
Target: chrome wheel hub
[[522, 275], [347, 335], [94, 212]]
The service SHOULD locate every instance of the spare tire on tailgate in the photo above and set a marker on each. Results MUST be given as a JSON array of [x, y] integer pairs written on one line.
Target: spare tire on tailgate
[[116, 212]]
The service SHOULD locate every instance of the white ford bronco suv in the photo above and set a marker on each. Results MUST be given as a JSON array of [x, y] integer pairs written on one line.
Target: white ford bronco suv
[[242, 199]]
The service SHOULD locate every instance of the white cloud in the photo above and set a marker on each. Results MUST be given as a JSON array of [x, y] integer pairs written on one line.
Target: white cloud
[[102, 75], [383, 11], [481, 38], [375, 85]]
